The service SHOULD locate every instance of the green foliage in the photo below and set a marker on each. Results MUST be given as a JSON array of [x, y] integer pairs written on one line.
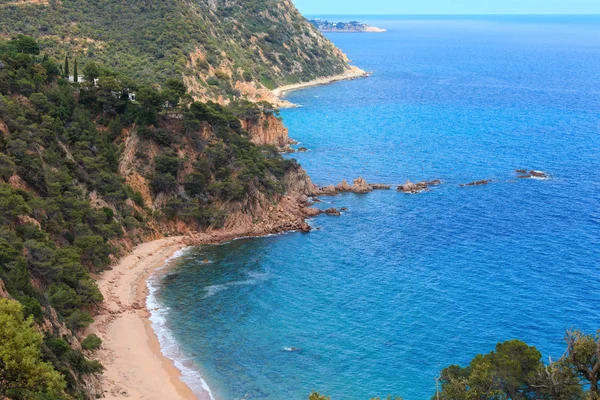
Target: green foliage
[[583, 354], [64, 144], [514, 371], [75, 73], [153, 42], [23, 374], [91, 342], [91, 71], [317, 396], [26, 45], [66, 70]]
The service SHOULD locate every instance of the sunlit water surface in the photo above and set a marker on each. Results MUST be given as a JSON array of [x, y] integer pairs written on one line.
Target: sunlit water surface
[[379, 300]]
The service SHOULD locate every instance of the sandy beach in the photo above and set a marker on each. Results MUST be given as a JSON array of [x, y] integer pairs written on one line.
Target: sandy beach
[[135, 367], [352, 73], [131, 354]]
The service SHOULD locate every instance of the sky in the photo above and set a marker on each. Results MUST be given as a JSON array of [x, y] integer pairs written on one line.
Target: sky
[[448, 6]]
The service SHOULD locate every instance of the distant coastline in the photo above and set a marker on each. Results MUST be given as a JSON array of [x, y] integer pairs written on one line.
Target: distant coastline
[[344, 27], [352, 72]]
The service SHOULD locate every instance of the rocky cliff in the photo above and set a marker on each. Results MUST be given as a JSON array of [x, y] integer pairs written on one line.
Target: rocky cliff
[[268, 130]]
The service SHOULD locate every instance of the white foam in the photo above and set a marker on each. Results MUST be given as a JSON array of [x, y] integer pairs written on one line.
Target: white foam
[[169, 346], [255, 279]]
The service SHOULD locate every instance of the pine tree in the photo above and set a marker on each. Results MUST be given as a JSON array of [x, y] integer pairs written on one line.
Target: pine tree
[[75, 74], [66, 70]]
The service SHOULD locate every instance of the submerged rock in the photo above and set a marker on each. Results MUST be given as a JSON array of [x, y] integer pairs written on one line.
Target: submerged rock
[[380, 186], [333, 212], [302, 150], [525, 174], [477, 183]]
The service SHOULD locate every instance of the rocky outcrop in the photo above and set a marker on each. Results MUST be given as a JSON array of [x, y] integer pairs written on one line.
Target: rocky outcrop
[[268, 130], [413, 188], [333, 212], [477, 183], [358, 186], [531, 174], [311, 212], [3, 292], [296, 180]]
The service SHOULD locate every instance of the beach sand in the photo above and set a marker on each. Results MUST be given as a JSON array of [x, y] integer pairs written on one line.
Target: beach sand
[[135, 367], [131, 354]]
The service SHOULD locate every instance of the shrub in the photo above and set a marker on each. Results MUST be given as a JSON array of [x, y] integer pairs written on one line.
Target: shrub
[[91, 342]]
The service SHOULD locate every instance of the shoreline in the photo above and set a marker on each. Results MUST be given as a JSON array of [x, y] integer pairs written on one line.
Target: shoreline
[[353, 72], [131, 353], [135, 366]]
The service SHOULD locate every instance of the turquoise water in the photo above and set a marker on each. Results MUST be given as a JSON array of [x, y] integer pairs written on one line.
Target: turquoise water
[[379, 300]]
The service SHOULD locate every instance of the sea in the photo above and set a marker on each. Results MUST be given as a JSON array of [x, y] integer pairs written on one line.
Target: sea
[[380, 300]]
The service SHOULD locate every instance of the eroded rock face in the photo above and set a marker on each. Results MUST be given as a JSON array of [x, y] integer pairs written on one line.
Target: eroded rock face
[[359, 186], [531, 174], [268, 130], [328, 191], [477, 183]]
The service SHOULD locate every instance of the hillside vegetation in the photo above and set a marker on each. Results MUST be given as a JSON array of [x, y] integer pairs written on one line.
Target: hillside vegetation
[[85, 174], [224, 49]]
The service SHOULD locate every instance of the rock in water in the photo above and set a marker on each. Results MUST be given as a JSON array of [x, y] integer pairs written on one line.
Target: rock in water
[[380, 186], [361, 186], [343, 186], [413, 188], [334, 212], [477, 183], [525, 174]]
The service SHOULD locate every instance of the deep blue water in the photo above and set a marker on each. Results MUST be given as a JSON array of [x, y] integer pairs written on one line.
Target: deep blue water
[[381, 299]]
